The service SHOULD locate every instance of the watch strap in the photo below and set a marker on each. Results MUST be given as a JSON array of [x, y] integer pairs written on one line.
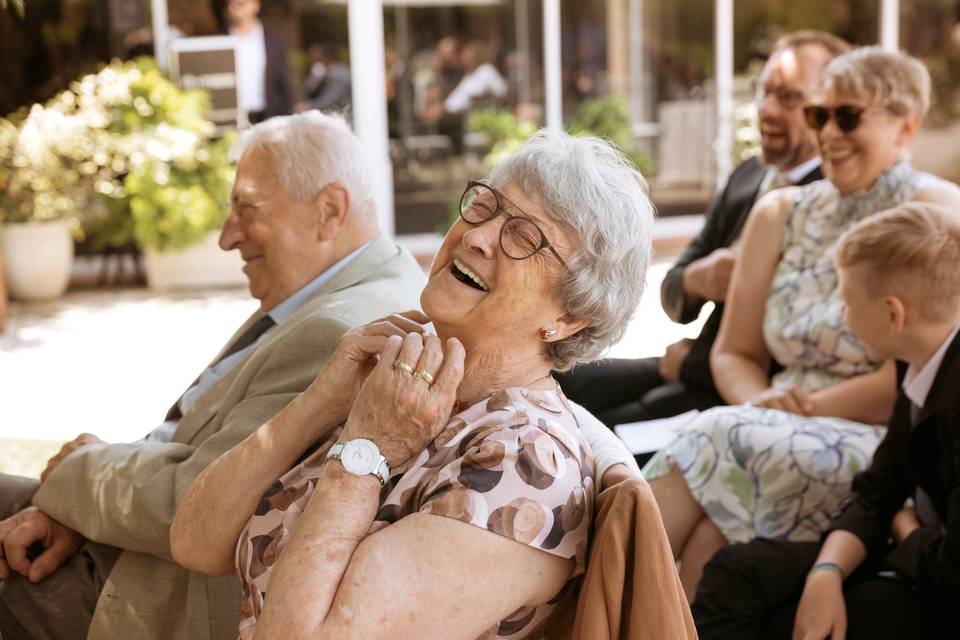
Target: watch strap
[[382, 472]]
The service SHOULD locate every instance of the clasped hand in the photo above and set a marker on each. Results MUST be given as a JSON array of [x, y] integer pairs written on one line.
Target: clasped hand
[[789, 398], [27, 527], [408, 397], [399, 411]]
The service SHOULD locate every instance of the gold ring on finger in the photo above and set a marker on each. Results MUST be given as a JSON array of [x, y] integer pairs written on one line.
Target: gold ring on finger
[[406, 367], [424, 375]]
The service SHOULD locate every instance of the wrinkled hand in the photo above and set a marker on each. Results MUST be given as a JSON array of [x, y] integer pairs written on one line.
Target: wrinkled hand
[[904, 523], [402, 413], [822, 612], [358, 350], [709, 277], [20, 531], [81, 440], [673, 359], [790, 398]]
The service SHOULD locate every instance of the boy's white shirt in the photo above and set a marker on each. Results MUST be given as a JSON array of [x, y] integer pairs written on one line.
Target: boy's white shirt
[[917, 384]]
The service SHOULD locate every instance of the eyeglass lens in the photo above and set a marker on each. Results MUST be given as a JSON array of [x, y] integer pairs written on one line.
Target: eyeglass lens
[[847, 117], [520, 237]]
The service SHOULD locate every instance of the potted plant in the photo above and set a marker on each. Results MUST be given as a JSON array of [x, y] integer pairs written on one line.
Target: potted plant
[[40, 195], [160, 173]]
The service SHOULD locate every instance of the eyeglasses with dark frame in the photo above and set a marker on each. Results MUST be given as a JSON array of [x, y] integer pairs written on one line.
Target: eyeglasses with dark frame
[[520, 236], [788, 97], [846, 116]]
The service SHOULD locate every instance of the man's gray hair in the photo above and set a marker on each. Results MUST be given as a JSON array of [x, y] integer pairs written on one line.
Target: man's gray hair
[[594, 192], [311, 150]]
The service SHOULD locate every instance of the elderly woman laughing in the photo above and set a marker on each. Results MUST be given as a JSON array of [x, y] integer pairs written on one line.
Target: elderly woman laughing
[[440, 486]]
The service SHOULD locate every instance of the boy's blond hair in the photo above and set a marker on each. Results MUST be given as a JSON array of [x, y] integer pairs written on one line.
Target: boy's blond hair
[[911, 251]]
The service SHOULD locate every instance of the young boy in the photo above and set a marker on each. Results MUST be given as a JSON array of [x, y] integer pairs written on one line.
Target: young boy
[[883, 570]]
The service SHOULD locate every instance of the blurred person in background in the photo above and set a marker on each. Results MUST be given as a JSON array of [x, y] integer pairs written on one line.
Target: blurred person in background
[[264, 78], [327, 85], [481, 80], [623, 390]]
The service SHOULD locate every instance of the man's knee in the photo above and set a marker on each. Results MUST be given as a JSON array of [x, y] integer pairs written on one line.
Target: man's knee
[[15, 494]]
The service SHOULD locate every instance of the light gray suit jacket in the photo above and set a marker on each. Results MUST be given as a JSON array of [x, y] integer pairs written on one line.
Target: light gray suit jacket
[[126, 495]]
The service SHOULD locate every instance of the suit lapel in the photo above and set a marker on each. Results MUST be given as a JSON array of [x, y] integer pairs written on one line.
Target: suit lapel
[[380, 251], [942, 396], [744, 195]]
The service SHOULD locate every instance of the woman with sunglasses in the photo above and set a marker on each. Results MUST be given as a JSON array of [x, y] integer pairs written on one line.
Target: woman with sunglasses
[[448, 491], [780, 464]]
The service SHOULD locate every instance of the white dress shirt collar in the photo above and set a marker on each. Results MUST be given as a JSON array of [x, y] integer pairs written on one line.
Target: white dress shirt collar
[[917, 384], [290, 306], [799, 172]]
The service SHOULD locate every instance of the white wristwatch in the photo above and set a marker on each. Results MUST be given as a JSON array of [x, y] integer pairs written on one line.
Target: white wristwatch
[[361, 457]]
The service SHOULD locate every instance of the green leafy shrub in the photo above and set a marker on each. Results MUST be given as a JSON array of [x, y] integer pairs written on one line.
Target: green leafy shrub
[[605, 117], [126, 152]]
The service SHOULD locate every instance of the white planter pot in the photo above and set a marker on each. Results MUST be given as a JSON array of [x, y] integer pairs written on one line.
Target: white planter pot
[[37, 257], [202, 265]]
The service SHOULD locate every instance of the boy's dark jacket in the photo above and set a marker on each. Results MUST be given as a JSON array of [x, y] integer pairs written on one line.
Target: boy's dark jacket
[[926, 455]]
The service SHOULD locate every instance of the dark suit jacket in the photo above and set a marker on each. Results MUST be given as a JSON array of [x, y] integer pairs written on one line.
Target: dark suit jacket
[[277, 80], [927, 456], [725, 219]]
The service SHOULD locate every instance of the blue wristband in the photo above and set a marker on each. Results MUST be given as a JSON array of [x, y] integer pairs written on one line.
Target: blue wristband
[[828, 566]]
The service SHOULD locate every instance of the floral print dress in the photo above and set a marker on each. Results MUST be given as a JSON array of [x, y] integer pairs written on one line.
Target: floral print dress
[[514, 464], [768, 473]]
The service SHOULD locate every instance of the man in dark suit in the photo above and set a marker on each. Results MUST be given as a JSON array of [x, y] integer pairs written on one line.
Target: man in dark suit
[[264, 79], [882, 570], [619, 391]]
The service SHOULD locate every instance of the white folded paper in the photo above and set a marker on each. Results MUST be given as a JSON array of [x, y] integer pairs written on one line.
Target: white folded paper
[[652, 435]]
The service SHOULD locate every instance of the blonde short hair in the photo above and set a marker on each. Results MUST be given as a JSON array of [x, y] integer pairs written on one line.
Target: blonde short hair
[[911, 251], [890, 79]]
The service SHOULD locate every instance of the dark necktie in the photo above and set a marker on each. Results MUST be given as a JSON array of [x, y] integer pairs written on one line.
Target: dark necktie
[[243, 341]]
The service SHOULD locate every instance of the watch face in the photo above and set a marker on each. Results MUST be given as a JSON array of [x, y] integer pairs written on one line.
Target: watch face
[[360, 457]]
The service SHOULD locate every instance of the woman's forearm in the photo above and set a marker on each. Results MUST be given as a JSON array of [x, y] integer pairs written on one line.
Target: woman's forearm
[[739, 378], [222, 498], [306, 578], [867, 398]]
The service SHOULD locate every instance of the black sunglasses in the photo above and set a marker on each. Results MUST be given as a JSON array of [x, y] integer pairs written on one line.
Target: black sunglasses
[[520, 237], [846, 116]]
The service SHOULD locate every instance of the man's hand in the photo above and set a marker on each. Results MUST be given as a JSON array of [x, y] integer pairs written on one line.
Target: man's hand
[[822, 612], [67, 449], [709, 277], [904, 523], [790, 398], [21, 531], [673, 359]]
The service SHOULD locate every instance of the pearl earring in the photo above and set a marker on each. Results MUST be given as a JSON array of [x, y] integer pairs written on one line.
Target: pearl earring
[[547, 333]]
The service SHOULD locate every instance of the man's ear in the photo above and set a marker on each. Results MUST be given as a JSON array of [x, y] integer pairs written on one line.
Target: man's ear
[[332, 205], [896, 313]]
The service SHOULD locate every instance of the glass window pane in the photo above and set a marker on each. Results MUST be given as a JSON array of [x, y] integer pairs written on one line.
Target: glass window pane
[[930, 30]]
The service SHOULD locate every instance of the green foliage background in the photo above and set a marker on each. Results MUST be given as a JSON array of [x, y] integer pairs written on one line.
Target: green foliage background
[[125, 154]]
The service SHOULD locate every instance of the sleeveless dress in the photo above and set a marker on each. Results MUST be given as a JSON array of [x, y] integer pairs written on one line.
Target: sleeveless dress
[[514, 464], [767, 473]]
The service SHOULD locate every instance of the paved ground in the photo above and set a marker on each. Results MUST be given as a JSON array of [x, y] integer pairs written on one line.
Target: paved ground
[[111, 361]]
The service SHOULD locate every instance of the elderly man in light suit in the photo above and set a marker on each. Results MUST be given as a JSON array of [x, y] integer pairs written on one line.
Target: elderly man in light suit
[[303, 218]]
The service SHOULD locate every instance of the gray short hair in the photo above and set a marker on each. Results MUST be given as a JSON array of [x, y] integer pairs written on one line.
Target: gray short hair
[[890, 79], [594, 192], [312, 150]]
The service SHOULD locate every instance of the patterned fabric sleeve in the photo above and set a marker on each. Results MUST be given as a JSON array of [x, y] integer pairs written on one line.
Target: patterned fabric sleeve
[[517, 481]]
